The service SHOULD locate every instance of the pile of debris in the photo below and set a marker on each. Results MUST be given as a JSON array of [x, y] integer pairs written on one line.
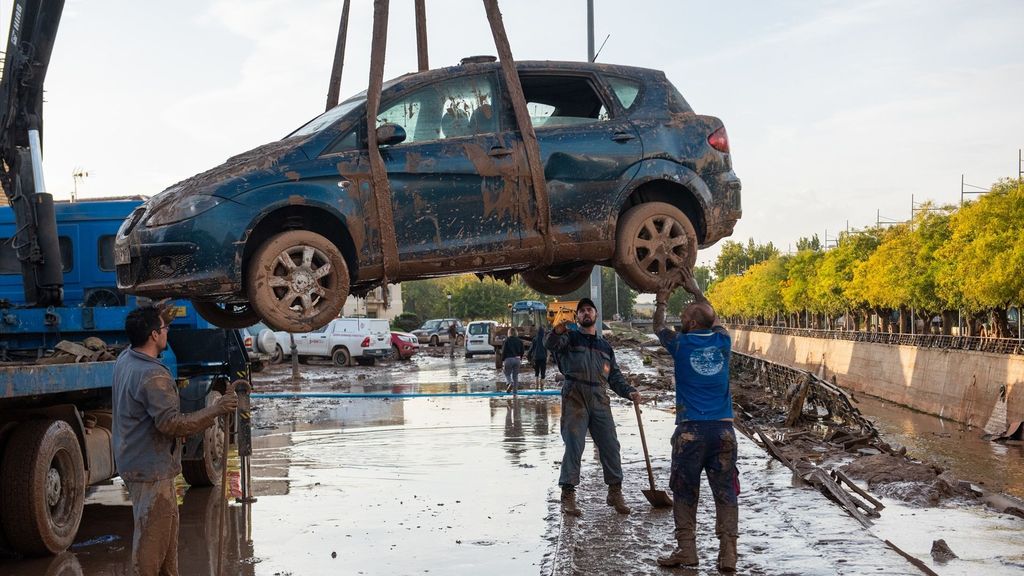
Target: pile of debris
[[92, 349]]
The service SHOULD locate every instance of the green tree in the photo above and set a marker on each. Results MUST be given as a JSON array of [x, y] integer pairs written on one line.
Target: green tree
[[425, 298], [680, 298], [830, 290], [626, 295], [488, 299], [801, 274], [811, 243], [735, 258]]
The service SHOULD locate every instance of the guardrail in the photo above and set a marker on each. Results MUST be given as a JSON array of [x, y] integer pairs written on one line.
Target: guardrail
[[993, 345]]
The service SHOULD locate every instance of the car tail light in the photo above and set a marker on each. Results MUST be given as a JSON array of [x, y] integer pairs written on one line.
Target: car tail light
[[248, 341], [366, 342], [719, 140]]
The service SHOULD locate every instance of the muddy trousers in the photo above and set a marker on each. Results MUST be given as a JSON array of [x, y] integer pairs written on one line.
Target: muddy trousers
[[540, 368], [706, 446], [588, 408], [155, 539], [511, 369]]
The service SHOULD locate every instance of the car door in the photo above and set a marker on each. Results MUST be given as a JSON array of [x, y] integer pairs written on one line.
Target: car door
[[455, 180], [315, 343], [589, 151]]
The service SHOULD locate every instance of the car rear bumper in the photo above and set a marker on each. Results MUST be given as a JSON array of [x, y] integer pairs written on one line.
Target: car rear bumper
[[726, 208], [374, 352]]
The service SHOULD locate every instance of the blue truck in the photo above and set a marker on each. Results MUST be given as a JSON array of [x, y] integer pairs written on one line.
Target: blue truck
[[62, 321]]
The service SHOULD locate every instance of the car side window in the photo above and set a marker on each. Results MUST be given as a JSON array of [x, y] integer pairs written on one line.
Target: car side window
[[625, 90], [448, 109], [562, 101]]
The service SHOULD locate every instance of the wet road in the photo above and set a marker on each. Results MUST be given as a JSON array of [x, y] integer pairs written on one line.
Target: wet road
[[458, 485]]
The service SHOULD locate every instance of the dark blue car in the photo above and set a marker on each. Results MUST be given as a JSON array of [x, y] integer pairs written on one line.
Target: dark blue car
[[635, 179]]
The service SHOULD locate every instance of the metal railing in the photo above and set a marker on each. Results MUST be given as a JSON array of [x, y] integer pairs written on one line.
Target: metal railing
[[782, 380], [993, 345]]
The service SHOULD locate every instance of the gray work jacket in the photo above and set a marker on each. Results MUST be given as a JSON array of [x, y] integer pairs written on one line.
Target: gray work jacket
[[587, 359], [147, 419]]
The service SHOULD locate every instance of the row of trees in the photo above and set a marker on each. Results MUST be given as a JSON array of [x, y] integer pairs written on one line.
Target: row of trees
[[944, 261], [488, 299]]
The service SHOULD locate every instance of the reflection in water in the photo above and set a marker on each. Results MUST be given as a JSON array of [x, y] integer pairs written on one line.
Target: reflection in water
[[996, 466]]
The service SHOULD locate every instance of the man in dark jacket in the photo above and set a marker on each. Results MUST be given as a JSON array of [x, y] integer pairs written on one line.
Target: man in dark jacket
[[589, 366], [704, 439], [148, 424], [539, 358]]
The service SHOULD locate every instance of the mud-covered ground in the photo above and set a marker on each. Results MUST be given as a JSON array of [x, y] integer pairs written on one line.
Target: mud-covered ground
[[466, 485]]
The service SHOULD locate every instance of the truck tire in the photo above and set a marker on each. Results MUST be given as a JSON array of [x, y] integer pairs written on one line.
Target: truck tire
[[297, 281], [557, 282], [652, 241], [207, 471], [341, 357], [229, 316], [42, 479], [277, 356]]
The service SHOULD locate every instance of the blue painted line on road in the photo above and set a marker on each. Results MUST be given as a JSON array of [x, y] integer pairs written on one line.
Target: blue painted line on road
[[270, 395]]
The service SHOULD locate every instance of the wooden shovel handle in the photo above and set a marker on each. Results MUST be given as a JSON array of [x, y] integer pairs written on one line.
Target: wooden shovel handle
[[643, 441]]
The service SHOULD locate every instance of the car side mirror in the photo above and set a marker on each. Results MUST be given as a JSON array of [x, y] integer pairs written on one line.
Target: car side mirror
[[389, 134]]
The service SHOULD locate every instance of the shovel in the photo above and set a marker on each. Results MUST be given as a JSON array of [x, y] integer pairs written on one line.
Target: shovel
[[657, 498]]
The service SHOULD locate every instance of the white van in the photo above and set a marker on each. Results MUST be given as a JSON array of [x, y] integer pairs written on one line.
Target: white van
[[478, 335], [343, 340]]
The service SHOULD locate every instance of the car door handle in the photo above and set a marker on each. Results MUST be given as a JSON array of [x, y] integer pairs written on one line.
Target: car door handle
[[499, 151], [623, 137]]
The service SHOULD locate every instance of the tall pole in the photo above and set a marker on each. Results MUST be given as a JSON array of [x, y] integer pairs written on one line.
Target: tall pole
[[595, 274], [334, 88], [421, 35]]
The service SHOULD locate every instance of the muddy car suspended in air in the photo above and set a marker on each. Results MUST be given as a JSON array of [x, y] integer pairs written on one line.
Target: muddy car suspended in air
[[635, 179]]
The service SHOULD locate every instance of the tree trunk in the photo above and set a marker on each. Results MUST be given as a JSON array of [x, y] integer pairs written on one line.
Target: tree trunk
[[905, 320], [948, 318], [1001, 323]]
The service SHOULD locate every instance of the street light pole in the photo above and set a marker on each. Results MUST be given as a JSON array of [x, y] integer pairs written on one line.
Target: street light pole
[[449, 305]]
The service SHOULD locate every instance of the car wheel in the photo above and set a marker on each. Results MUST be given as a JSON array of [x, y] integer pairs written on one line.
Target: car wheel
[[298, 281], [341, 357], [230, 316], [434, 341], [396, 352], [469, 355], [557, 281], [652, 241], [206, 471], [460, 340], [278, 356]]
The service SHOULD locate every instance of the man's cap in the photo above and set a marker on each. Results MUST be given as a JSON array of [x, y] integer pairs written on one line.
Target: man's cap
[[585, 302]]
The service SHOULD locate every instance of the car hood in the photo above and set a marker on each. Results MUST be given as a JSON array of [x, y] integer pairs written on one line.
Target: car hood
[[260, 166]]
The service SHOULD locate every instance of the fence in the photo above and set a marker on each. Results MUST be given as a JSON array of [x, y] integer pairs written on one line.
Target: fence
[[993, 345]]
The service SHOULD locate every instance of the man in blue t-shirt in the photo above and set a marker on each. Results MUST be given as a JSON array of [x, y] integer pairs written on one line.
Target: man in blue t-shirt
[[704, 439]]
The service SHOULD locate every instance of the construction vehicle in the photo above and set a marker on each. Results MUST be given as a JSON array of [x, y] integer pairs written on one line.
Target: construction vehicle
[[523, 315], [564, 311], [58, 287]]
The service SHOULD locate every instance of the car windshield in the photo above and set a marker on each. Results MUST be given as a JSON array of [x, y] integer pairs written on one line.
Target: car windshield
[[327, 118], [431, 325]]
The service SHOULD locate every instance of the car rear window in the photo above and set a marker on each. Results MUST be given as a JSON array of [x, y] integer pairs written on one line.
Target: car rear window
[[477, 329], [562, 101]]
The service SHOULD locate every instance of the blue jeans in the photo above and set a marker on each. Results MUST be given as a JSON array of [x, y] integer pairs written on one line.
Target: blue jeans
[[708, 446], [511, 369], [588, 408]]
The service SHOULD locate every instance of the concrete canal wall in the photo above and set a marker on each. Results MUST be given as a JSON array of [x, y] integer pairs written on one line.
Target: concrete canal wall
[[956, 384]]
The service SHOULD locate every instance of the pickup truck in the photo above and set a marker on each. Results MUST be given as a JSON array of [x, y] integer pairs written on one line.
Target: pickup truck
[[343, 340]]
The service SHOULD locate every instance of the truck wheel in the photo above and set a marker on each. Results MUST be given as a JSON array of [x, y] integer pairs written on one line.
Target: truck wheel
[[557, 281], [278, 355], [652, 241], [42, 479], [207, 471], [229, 316], [341, 357], [298, 281]]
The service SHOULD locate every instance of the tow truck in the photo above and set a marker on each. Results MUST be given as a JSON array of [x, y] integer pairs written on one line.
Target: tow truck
[[58, 287]]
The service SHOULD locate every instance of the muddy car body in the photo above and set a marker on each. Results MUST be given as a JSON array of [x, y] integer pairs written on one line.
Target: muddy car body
[[634, 179]]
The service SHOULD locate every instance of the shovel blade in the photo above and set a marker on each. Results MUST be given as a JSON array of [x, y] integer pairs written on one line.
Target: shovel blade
[[658, 498]]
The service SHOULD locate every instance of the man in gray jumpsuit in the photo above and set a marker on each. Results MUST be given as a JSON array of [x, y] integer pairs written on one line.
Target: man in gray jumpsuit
[[148, 424], [589, 366]]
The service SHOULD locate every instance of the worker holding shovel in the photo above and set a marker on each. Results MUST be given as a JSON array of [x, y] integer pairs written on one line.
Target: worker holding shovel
[[589, 366], [704, 439]]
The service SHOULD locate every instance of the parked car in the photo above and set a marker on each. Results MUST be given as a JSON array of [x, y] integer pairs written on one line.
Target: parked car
[[343, 340], [435, 332], [404, 345], [286, 231], [478, 335], [263, 341]]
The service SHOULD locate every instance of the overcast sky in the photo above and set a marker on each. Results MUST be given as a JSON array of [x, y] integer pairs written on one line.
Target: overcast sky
[[835, 109]]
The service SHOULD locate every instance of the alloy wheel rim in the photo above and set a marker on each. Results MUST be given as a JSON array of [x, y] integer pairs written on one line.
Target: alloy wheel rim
[[661, 244], [299, 278]]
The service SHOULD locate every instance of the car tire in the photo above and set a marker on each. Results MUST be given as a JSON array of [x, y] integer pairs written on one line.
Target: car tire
[[396, 352], [206, 471], [298, 281], [229, 316], [278, 356], [555, 281], [434, 341], [341, 357], [652, 241], [460, 340]]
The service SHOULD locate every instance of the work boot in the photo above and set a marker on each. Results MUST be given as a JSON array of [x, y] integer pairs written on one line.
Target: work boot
[[569, 502], [686, 535], [727, 529], [615, 499]]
